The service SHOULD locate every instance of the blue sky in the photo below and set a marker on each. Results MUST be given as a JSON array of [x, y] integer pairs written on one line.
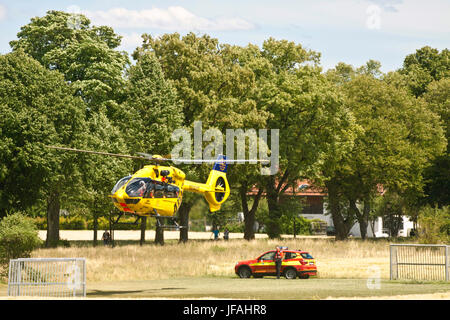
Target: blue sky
[[351, 31]]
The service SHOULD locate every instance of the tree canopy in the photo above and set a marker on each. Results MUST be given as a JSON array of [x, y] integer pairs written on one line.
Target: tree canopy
[[354, 131]]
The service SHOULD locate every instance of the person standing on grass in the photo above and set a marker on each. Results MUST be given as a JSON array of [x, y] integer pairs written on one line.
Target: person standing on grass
[[106, 237], [216, 233], [278, 259], [226, 234]]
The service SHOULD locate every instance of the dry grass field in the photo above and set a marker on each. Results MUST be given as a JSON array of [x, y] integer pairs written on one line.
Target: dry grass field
[[200, 258]]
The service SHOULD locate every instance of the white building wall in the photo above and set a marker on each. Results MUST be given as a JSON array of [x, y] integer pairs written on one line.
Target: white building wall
[[355, 230]]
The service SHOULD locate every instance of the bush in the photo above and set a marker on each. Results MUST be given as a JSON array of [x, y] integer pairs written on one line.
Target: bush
[[434, 225], [18, 237], [302, 225], [41, 223], [236, 227], [72, 223]]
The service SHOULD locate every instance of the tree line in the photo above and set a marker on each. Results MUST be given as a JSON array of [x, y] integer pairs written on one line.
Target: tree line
[[355, 132]]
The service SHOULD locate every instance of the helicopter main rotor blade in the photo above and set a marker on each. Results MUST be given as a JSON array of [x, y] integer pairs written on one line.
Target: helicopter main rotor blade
[[99, 153], [149, 157], [154, 157], [214, 161]]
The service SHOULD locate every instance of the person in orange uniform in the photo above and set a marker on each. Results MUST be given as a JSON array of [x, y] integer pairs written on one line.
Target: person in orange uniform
[[278, 259]]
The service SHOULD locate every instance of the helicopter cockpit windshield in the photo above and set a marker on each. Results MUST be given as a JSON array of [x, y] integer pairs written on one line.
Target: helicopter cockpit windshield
[[120, 184]]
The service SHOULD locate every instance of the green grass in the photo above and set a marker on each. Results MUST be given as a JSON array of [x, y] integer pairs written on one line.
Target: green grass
[[268, 288]]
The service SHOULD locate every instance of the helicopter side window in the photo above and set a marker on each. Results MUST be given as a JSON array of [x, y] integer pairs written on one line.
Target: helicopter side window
[[172, 191], [120, 184], [150, 190], [159, 191], [137, 187]]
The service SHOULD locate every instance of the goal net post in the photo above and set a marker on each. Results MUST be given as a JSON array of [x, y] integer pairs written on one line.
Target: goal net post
[[47, 277], [419, 262]]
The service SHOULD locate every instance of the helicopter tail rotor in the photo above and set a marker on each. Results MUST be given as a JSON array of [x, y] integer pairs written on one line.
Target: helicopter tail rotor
[[217, 183]]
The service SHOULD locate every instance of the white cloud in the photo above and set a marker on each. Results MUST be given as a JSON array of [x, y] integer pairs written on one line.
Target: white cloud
[[417, 17], [130, 41], [172, 18]]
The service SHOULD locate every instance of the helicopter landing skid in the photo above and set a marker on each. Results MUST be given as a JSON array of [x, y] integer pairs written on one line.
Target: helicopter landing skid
[[175, 225], [120, 215]]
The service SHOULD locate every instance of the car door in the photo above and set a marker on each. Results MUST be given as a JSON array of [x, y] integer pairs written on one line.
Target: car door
[[265, 263]]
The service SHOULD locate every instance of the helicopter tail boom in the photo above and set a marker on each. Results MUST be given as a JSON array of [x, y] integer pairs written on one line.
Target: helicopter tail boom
[[216, 189]]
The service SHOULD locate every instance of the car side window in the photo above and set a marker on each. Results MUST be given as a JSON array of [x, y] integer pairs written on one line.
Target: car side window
[[287, 255], [268, 256]]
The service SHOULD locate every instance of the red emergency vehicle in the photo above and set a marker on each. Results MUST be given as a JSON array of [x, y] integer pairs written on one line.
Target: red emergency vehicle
[[296, 263]]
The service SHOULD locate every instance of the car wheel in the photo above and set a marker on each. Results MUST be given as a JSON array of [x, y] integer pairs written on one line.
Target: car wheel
[[290, 273], [244, 272]]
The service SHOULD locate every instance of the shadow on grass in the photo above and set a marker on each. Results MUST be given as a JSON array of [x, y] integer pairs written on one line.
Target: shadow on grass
[[127, 293]]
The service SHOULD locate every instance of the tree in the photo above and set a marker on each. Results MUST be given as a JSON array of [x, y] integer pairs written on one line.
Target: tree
[[57, 30], [99, 173], [153, 110], [397, 139], [93, 71], [437, 181], [85, 54], [308, 111], [154, 104], [37, 109], [213, 86], [391, 207], [424, 66]]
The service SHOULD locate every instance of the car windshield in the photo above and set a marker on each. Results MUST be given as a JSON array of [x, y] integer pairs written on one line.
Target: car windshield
[[306, 255], [120, 184]]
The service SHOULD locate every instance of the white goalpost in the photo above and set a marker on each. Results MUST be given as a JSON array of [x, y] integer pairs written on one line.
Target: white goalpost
[[47, 277], [419, 262]]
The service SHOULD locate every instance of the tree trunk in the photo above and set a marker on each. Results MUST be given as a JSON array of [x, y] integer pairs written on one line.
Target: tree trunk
[[183, 214], [273, 225], [249, 215], [53, 208], [341, 225], [143, 227], [95, 228], [159, 234], [366, 214], [363, 218], [274, 189]]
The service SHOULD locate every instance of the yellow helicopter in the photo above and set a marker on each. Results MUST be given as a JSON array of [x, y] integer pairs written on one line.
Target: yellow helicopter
[[157, 190]]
